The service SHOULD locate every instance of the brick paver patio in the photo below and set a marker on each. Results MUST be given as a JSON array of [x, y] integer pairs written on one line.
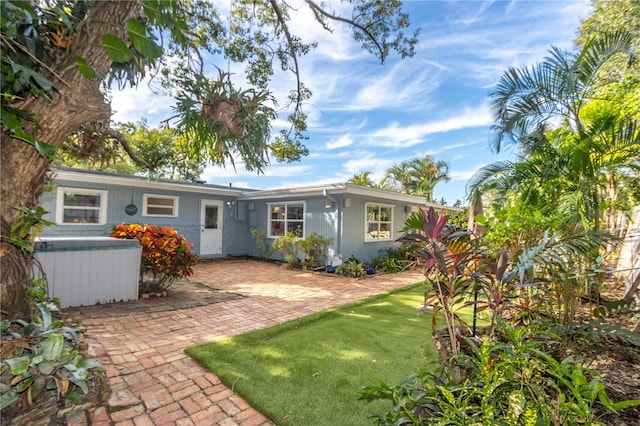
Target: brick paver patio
[[141, 343]]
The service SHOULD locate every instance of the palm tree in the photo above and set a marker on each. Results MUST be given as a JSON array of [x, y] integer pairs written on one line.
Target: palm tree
[[556, 89], [568, 172], [427, 173], [362, 179], [417, 176], [399, 177], [590, 142]]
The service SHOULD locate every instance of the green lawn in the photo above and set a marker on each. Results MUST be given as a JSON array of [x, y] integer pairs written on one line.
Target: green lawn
[[309, 371]]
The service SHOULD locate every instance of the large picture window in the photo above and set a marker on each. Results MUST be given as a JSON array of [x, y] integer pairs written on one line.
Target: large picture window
[[77, 206], [286, 217], [378, 222], [159, 205]]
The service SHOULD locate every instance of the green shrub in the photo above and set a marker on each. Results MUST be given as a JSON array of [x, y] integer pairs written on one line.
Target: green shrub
[[407, 253], [287, 245], [316, 248], [262, 243], [42, 357], [509, 381], [388, 264], [351, 268]]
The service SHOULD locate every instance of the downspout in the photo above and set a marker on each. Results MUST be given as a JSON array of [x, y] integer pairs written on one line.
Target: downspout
[[326, 195], [339, 230]]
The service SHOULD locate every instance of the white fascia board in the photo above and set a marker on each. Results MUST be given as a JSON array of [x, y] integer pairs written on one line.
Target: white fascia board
[[399, 197], [346, 189], [301, 191], [71, 176]]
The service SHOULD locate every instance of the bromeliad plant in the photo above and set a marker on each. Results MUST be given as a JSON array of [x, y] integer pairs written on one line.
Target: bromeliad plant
[[165, 254]]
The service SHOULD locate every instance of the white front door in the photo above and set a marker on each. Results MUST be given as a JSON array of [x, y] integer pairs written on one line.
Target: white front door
[[210, 227]]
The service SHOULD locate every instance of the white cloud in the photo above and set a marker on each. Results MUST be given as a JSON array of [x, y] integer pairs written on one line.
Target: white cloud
[[397, 135], [477, 16], [406, 85], [462, 174], [342, 142], [133, 104], [368, 162]]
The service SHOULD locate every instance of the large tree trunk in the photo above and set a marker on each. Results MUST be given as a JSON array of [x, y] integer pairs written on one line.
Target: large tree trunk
[[24, 172]]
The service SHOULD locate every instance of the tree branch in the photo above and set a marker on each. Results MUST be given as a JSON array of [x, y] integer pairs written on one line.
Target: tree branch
[[102, 129], [292, 50], [318, 10]]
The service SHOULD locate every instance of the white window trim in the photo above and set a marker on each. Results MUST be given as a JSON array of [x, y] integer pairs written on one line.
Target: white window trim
[[286, 204], [102, 210], [366, 222], [145, 204]]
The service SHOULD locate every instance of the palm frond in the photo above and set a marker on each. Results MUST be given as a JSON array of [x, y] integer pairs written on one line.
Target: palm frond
[[599, 50], [527, 97], [556, 252]]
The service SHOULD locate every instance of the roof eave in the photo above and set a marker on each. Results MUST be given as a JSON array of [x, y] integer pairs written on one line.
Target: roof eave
[[79, 176]]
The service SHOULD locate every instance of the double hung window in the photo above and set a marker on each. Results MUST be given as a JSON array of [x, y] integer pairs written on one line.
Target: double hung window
[[378, 222], [286, 217]]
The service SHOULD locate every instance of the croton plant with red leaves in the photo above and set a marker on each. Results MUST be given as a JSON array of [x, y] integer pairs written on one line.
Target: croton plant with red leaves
[[165, 254]]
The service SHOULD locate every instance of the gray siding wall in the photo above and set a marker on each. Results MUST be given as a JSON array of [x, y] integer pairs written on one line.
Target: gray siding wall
[[353, 235], [187, 223], [345, 225], [318, 219], [235, 233]]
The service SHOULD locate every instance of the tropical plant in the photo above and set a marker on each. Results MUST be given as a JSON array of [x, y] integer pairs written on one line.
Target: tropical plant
[[315, 248], [41, 357], [417, 176], [515, 225], [558, 272], [351, 268], [362, 179], [60, 60], [608, 17], [264, 249], [544, 282], [427, 173], [165, 255], [26, 228], [388, 264], [450, 263], [288, 246], [510, 381], [590, 144]]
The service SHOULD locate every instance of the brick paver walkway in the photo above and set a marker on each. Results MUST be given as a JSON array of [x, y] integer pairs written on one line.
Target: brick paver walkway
[[140, 344]]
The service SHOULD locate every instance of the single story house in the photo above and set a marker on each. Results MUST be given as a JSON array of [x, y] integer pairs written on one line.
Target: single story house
[[218, 219]]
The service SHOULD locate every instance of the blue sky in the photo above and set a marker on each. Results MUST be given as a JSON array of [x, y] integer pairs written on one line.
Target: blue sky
[[366, 116]]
